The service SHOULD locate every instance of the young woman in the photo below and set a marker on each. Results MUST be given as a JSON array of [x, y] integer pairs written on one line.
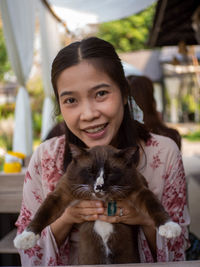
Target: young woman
[[92, 94], [142, 92]]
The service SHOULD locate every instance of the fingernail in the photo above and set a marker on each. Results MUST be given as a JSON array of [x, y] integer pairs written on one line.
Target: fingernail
[[100, 210], [98, 204]]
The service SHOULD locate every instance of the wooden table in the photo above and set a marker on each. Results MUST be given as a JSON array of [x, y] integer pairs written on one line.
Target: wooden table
[[161, 264], [11, 186]]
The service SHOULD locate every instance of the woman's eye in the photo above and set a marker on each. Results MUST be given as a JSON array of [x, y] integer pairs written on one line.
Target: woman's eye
[[70, 100], [102, 93]]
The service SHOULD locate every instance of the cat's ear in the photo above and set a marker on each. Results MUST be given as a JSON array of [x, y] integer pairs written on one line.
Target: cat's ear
[[130, 154], [76, 151]]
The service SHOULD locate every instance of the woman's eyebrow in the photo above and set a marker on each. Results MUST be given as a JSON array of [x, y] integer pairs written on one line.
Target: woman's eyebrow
[[66, 93], [100, 86], [91, 89]]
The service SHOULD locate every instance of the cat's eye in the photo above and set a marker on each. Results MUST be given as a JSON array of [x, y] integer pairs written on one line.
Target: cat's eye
[[115, 174], [115, 170], [89, 169], [88, 172], [91, 172]]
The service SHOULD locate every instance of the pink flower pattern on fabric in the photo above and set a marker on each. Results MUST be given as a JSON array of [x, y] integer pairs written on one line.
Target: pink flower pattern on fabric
[[156, 161], [24, 219], [152, 142], [36, 251], [52, 262], [37, 196], [27, 177]]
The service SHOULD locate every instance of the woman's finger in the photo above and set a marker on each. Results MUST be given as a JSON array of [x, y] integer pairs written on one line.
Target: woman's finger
[[90, 211], [93, 217], [110, 219], [121, 211], [89, 204]]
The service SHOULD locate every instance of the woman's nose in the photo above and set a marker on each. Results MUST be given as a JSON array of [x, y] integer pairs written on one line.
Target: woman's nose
[[89, 112]]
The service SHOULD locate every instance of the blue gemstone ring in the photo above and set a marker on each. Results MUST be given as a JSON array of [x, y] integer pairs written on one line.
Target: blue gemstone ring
[[112, 208]]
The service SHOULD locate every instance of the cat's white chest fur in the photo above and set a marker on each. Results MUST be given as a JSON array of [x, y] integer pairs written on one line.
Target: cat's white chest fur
[[104, 229]]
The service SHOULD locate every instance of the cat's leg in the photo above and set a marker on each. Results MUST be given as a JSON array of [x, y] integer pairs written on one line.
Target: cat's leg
[[91, 246], [148, 203], [52, 207], [123, 244]]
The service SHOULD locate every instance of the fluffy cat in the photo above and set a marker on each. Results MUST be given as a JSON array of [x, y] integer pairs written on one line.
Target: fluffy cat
[[108, 174]]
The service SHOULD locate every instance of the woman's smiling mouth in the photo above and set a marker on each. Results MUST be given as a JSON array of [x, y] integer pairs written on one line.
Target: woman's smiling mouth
[[96, 131]]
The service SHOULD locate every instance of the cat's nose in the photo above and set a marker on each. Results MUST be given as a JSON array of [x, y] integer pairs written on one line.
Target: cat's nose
[[99, 187]]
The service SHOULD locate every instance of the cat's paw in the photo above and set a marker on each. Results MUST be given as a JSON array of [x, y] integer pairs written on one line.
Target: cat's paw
[[170, 230], [26, 240]]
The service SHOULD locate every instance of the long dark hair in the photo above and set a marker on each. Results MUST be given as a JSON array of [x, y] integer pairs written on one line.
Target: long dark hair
[[102, 56], [143, 93]]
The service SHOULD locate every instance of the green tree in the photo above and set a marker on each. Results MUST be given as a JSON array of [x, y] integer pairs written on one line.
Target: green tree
[[4, 62], [130, 33]]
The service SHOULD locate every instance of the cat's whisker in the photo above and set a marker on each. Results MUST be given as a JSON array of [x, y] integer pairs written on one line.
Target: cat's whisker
[[81, 190], [120, 191]]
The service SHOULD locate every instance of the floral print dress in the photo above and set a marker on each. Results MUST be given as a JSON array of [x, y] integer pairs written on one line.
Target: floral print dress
[[162, 166]]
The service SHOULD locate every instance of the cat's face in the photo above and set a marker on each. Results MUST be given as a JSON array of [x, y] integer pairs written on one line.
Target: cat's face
[[100, 172]]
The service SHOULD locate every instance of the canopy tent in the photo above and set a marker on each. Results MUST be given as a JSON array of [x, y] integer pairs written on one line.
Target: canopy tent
[[18, 24], [177, 23], [173, 22]]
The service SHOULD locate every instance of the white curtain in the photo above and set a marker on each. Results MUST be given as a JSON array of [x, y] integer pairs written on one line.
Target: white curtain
[[18, 18], [78, 13], [50, 44]]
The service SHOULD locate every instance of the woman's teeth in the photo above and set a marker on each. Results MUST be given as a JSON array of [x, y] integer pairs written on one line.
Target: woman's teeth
[[96, 129]]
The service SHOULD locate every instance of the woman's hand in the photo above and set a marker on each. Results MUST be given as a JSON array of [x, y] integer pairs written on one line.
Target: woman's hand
[[127, 214], [80, 211]]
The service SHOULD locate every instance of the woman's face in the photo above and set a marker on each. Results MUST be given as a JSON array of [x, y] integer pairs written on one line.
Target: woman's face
[[91, 104]]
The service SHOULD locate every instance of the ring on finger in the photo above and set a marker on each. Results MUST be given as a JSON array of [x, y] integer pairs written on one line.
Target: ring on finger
[[121, 212]]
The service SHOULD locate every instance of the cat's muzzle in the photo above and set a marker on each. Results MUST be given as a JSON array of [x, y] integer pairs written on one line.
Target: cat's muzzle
[[100, 194]]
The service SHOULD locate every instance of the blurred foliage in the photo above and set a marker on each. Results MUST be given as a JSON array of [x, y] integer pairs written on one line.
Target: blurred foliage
[[7, 110], [5, 145], [194, 136], [36, 93], [6, 141], [188, 103], [130, 33], [37, 124], [4, 62], [1, 163]]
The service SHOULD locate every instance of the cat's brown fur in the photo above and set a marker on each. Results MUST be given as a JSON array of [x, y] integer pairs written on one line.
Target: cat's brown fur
[[121, 180]]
